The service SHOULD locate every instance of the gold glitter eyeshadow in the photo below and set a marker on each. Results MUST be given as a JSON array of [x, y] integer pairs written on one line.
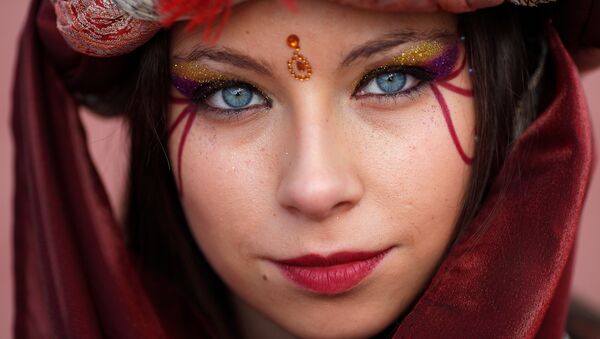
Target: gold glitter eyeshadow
[[429, 55], [420, 54], [197, 72]]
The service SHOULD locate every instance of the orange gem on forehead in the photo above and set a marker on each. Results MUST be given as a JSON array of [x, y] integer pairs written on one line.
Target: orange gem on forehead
[[293, 41], [298, 64]]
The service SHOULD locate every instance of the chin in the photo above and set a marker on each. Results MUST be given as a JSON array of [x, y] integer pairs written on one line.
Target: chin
[[338, 317], [334, 329]]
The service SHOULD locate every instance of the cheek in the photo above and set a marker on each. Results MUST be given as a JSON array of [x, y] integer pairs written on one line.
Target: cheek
[[418, 176], [222, 184]]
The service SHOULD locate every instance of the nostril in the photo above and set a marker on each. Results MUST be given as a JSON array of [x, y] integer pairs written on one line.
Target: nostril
[[342, 207], [319, 214], [317, 199]]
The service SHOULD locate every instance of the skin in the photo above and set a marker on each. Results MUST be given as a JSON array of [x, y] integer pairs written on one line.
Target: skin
[[321, 171]]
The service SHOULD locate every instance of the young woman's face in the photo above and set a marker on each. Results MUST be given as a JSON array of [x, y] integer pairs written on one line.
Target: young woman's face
[[325, 205]]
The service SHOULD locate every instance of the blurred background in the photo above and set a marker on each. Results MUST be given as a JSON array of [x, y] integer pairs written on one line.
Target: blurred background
[[107, 138]]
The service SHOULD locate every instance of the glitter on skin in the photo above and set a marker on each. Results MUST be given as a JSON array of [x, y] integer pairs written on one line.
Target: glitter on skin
[[439, 59], [445, 83], [187, 77], [435, 56], [197, 72], [420, 54]]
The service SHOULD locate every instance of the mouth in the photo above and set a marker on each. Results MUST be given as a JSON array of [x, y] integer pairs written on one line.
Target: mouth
[[334, 274]]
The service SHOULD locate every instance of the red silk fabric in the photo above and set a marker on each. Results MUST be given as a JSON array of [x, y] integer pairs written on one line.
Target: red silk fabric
[[508, 276], [74, 278]]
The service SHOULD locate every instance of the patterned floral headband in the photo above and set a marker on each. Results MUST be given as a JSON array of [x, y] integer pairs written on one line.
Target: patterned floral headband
[[107, 28]]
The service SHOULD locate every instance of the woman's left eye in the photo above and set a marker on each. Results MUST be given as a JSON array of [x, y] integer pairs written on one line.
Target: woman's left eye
[[236, 97], [388, 83]]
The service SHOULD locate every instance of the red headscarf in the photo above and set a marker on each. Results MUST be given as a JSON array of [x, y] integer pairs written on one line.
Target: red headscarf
[[75, 279]]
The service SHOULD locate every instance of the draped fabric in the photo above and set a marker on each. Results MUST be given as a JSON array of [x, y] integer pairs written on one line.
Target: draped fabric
[[507, 277], [74, 278], [578, 23]]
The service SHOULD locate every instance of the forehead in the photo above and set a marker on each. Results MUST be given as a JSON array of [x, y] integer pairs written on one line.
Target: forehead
[[257, 27]]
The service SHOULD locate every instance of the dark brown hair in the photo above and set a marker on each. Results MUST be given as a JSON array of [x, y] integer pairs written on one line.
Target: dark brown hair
[[504, 47]]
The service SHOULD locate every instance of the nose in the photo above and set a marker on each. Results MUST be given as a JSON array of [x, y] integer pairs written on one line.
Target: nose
[[320, 178]]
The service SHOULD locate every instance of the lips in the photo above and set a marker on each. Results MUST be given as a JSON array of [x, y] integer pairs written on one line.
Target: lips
[[333, 274]]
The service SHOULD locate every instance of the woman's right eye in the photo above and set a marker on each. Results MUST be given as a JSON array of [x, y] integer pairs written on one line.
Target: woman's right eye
[[235, 97]]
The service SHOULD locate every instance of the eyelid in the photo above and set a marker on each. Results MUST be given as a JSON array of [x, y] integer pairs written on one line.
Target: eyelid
[[418, 72], [206, 90]]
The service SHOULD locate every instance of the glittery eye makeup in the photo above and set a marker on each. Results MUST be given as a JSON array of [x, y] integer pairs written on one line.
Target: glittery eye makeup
[[441, 61], [436, 57], [432, 63], [187, 77], [222, 97], [407, 72], [218, 95]]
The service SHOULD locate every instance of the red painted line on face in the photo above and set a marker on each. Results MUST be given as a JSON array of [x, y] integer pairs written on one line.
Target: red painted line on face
[[450, 124], [191, 115], [456, 89], [190, 112], [190, 109]]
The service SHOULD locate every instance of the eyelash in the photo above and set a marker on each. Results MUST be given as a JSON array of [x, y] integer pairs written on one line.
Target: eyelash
[[420, 74], [206, 90]]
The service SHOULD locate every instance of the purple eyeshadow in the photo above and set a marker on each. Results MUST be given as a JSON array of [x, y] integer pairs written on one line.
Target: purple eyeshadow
[[443, 65], [186, 87]]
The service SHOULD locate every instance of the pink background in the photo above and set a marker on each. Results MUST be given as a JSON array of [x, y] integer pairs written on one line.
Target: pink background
[[107, 138]]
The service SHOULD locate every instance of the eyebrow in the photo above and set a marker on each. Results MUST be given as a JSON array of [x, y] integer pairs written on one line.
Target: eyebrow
[[392, 40], [365, 50], [227, 56]]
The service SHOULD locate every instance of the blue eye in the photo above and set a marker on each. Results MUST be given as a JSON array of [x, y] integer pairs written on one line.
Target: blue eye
[[388, 83], [235, 97], [391, 82]]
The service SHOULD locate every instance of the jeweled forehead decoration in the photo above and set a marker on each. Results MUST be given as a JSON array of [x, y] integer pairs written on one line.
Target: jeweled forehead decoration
[[298, 65]]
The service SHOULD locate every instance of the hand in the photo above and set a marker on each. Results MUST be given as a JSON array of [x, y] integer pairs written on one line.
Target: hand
[[454, 6]]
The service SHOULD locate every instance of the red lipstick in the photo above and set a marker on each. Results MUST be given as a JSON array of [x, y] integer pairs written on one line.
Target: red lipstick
[[333, 274]]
